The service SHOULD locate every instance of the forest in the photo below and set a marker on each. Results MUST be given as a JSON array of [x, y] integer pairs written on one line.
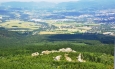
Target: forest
[[16, 49]]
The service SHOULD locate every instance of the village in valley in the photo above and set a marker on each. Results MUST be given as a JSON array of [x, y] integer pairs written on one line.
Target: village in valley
[[56, 21], [66, 35]]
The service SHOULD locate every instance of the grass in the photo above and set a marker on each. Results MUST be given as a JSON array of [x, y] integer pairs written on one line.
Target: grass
[[78, 27], [19, 24], [68, 27]]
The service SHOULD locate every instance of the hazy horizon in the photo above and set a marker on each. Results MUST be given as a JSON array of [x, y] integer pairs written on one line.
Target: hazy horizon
[[39, 0]]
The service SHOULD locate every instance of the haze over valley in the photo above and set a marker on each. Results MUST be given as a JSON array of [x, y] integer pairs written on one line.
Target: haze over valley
[[58, 34], [59, 18]]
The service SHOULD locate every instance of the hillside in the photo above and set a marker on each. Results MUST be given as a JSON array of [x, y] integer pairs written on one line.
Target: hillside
[[67, 35], [16, 50]]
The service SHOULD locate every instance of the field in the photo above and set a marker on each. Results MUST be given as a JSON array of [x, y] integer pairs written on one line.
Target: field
[[67, 27], [17, 25], [49, 27]]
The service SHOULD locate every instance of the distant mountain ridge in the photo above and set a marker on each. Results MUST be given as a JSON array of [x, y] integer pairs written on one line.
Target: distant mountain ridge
[[27, 4], [98, 4], [82, 4]]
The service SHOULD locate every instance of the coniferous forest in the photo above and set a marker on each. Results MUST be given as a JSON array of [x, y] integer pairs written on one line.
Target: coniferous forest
[[15, 51]]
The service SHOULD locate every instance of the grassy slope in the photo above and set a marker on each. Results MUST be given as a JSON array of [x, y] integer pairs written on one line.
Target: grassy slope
[[16, 49]]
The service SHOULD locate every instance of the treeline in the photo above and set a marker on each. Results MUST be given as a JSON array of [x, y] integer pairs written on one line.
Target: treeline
[[16, 50], [27, 49], [86, 36], [80, 42]]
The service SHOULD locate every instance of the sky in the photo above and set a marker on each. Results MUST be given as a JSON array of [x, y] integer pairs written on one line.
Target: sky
[[38, 0]]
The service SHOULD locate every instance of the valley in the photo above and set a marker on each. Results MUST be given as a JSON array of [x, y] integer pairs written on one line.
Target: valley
[[67, 35]]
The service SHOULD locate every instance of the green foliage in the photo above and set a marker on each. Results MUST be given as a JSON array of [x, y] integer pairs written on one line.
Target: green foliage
[[16, 49], [47, 62]]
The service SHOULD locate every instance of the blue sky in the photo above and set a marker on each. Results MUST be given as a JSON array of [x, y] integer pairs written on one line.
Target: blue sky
[[38, 0]]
